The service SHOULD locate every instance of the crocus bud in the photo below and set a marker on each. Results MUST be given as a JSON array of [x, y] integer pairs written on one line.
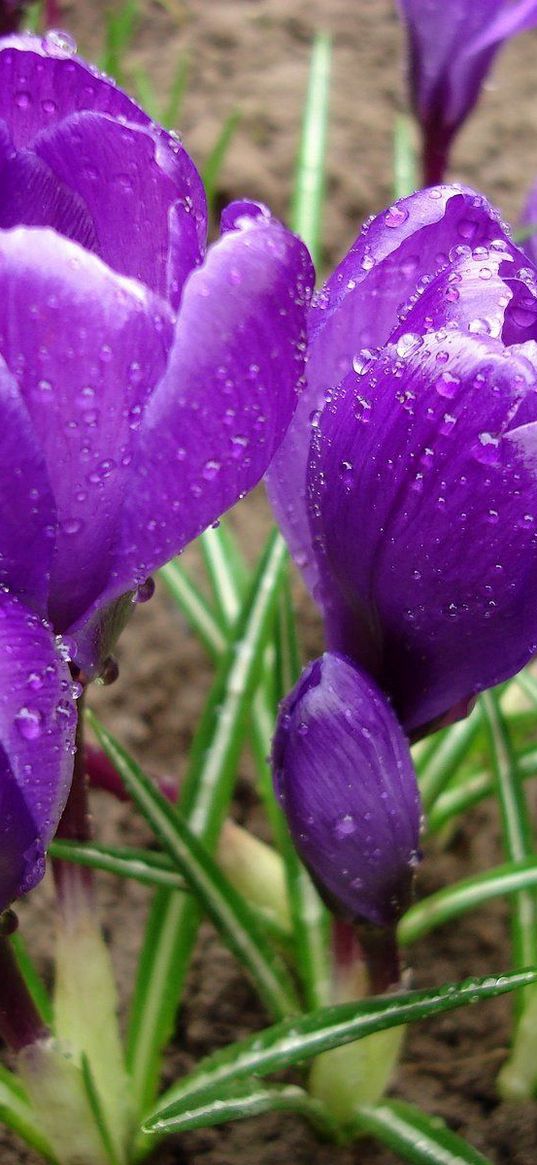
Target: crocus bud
[[344, 777], [451, 49]]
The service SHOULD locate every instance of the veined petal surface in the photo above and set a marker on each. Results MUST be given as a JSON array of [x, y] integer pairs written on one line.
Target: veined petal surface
[[423, 506], [394, 258], [230, 389], [37, 732], [85, 348], [27, 506], [344, 776]]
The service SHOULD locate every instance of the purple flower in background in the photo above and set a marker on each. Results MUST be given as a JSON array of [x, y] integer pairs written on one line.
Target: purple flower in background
[[451, 48], [344, 777], [11, 14], [145, 384], [407, 483]]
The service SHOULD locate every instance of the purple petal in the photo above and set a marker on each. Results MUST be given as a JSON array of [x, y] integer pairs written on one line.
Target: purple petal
[[142, 192], [424, 513], [357, 311], [26, 502], [30, 195], [211, 428], [37, 731], [86, 347], [344, 776], [42, 82]]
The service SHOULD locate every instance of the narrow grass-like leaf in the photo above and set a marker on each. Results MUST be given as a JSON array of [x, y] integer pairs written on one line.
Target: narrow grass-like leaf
[[16, 1114], [517, 831], [194, 607], [207, 788], [32, 978], [171, 113], [227, 572], [143, 865], [415, 1136], [119, 30], [252, 1099], [405, 178], [309, 916], [294, 1041], [308, 197], [439, 908], [215, 161], [442, 760], [98, 1114], [236, 923], [460, 798]]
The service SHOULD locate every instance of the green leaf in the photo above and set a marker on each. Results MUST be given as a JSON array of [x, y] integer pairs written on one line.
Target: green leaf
[[416, 1137], [207, 789], [153, 869], [194, 608], [251, 1099], [308, 197], [517, 831], [119, 30], [236, 923], [215, 161], [294, 1041], [98, 1113], [439, 908], [462, 797], [310, 919], [405, 177], [32, 978], [444, 755], [16, 1114], [169, 116], [227, 572]]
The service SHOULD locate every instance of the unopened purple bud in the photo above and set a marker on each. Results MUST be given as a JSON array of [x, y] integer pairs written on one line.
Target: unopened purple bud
[[344, 776]]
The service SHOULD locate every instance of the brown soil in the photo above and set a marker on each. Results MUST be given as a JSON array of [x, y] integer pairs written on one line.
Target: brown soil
[[253, 56]]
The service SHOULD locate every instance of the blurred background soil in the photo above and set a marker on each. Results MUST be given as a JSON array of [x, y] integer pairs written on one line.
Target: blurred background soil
[[252, 56]]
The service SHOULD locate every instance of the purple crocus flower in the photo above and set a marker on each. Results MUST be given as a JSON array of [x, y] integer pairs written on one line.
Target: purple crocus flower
[[407, 484], [145, 384], [451, 48]]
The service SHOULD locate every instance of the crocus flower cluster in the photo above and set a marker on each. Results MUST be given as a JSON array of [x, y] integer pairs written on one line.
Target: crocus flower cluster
[[145, 384], [407, 489], [451, 49]]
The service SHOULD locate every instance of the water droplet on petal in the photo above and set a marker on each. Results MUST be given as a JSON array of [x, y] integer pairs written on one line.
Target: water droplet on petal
[[144, 592], [345, 826], [395, 216], [408, 343], [59, 43], [29, 723]]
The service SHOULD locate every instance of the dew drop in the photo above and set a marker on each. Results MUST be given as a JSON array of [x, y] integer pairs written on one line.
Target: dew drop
[[395, 216], [59, 43], [408, 343], [29, 723], [144, 592], [345, 826]]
